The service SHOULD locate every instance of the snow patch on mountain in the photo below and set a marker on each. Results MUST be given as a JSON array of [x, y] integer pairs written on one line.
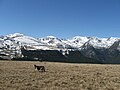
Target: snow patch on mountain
[[102, 42], [23, 39], [55, 42], [77, 41]]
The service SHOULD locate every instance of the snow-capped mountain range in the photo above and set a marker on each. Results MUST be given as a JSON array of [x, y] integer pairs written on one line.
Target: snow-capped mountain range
[[75, 42], [11, 44], [79, 41]]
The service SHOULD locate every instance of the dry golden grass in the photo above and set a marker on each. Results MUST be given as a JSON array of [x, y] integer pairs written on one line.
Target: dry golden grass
[[20, 75]]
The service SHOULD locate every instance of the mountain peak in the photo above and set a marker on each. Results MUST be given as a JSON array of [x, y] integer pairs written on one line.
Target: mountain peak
[[51, 37], [15, 35]]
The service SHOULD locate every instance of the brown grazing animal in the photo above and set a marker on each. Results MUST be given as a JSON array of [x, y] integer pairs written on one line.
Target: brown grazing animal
[[39, 68]]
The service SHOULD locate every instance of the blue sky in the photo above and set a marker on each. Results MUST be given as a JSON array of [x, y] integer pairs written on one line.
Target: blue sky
[[60, 18]]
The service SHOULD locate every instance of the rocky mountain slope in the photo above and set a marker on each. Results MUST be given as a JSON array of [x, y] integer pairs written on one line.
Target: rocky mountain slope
[[76, 49]]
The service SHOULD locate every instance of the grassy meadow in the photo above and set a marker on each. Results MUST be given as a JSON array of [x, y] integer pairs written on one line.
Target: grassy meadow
[[21, 75]]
